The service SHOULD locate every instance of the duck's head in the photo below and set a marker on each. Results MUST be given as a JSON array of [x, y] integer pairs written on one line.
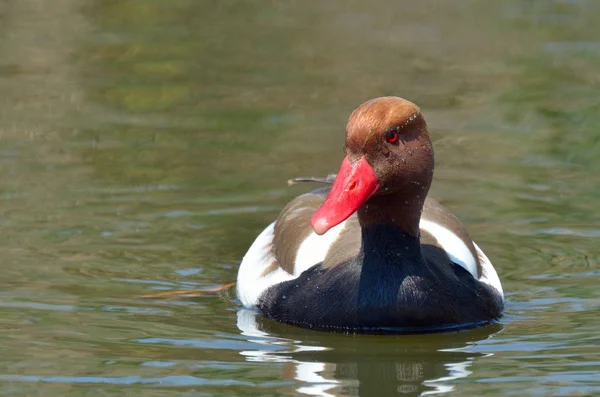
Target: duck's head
[[388, 151]]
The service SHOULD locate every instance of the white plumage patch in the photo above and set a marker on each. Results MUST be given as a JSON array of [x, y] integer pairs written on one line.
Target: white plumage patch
[[314, 248], [251, 283], [459, 253], [456, 249], [488, 273]]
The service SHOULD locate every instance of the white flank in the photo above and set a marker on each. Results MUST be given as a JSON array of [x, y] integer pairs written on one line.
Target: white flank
[[251, 283], [456, 249], [314, 248], [488, 273]]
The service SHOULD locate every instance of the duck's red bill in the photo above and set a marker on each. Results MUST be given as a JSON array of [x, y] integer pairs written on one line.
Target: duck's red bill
[[354, 185]]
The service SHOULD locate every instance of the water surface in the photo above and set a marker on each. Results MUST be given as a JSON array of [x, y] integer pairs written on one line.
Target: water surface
[[143, 145]]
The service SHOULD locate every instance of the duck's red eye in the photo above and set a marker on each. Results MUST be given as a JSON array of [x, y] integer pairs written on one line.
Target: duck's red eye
[[391, 136]]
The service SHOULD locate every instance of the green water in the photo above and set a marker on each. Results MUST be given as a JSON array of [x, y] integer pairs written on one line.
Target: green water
[[144, 144]]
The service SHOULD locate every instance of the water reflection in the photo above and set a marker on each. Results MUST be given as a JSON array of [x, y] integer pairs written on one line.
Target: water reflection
[[325, 364]]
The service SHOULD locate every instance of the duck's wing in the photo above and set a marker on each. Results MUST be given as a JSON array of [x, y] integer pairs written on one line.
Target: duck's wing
[[445, 239], [289, 246]]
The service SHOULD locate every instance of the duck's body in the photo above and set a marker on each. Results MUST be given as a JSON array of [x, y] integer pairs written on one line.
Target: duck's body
[[371, 253]]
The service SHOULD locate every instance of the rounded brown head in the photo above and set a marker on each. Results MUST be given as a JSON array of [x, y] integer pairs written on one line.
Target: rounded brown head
[[388, 151]]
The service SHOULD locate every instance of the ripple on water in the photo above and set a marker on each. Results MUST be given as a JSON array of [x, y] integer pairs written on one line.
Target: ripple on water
[[182, 380]]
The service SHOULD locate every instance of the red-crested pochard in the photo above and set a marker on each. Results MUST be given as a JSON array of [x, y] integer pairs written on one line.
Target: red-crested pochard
[[373, 253]]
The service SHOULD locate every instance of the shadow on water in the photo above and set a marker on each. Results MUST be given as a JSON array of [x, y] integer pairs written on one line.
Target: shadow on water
[[328, 364]]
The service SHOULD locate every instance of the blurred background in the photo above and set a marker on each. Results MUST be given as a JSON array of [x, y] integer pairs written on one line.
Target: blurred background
[[144, 144]]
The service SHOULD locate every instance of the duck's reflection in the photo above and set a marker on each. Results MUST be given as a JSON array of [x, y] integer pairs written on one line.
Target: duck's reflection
[[327, 364]]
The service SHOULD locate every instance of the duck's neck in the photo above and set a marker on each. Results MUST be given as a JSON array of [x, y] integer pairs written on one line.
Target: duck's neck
[[383, 245], [394, 210], [390, 230]]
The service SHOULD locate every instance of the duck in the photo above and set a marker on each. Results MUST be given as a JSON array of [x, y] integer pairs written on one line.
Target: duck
[[370, 251]]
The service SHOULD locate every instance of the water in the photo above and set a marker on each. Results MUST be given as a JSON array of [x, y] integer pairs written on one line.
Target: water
[[143, 145]]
